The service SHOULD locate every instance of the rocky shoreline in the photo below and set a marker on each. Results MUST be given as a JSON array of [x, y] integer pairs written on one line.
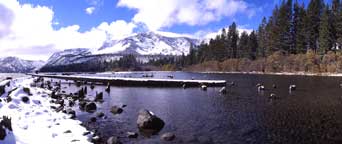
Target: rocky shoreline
[[34, 94]]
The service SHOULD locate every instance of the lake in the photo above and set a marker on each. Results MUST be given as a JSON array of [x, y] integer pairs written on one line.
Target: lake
[[311, 114]]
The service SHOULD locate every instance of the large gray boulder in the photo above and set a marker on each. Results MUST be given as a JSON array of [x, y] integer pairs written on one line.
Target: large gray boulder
[[147, 121]]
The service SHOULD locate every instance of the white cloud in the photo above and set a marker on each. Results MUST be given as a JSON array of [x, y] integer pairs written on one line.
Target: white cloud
[[27, 31], [90, 10], [157, 14], [96, 3]]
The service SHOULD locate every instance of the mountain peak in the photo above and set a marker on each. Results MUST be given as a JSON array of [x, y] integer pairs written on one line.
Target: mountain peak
[[13, 64], [148, 43]]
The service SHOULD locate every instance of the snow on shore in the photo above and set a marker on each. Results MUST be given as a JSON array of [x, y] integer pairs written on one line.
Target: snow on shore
[[34, 122]]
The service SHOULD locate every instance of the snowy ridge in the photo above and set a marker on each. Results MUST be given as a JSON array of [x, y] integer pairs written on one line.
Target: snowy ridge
[[34, 122], [149, 43], [141, 44], [69, 56], [16, 65]]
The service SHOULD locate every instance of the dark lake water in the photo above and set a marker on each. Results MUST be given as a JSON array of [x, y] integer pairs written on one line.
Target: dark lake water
[[311, 114]]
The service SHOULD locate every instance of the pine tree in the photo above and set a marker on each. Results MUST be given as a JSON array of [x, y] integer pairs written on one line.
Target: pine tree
[[325, 32], [253, 45], [225, 43], [299, 17], [313, 14], [338, 25], [233, 36], [243, 45], [336, 8], [262, 38], [273, 29], [285, 25]]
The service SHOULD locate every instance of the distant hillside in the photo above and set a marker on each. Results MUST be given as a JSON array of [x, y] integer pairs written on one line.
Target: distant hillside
[[17, 65]]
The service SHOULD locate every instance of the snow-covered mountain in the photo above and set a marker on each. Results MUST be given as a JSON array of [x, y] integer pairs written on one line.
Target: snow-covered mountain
[[69, 56], [17, 65], [141, 44], [149, 43]]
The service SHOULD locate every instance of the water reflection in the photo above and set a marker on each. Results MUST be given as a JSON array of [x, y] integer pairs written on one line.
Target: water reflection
[[311, 114]]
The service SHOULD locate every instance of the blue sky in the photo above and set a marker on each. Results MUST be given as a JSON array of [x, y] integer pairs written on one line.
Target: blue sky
[[35, 29], [71, 12]]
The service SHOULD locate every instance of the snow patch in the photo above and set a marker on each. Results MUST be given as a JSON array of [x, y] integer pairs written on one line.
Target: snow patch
[[34, 122]]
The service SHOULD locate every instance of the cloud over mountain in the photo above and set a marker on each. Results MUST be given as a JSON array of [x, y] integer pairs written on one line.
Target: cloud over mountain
[[165, 13], [29, 28]]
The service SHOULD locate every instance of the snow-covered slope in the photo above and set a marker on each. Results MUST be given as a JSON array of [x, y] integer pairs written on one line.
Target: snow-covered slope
[[142, 44], [15, 65], [149, 43], [69, 56]]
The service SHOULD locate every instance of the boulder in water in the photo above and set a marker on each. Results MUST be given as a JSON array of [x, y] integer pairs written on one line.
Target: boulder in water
[[223, 90], [90, 107], [204, 87], [100, 114], [168, 136], [116, 110], [147, 121], [99, 97], [71, 112], [2, 133], [292, 87], [113, 140], [25, 99], [132, 135]]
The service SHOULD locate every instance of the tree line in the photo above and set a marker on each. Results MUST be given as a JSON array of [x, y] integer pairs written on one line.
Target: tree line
[[292, 29], [127, 62]]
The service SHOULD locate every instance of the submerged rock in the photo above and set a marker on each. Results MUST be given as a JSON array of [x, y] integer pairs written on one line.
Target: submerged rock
[[273, 96], [95, 139], [274, 86], [2, 133], [81, 94], [6, 122], [2, 88], [168, 136], [132, 135], [71, 103], [113, 140], [92, 86], [261, 88], [27, 90], [71, 112], [116, 110], [82, 105], [204, 87], [99, 97], [107, 88], [292, 87], [54, 95], [184, 86], [147, 121], [90, 107], [223, 90], [85, 90], [93, 119], [100, 114], [25, 99]]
